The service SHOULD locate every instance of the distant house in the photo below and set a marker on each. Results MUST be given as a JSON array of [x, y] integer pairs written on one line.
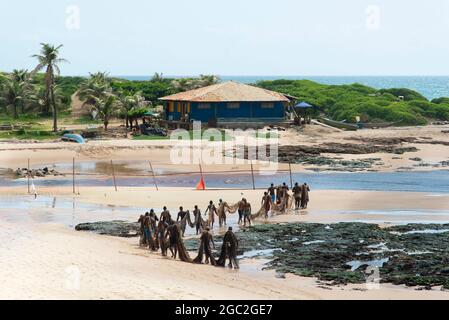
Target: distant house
[[226, 102]]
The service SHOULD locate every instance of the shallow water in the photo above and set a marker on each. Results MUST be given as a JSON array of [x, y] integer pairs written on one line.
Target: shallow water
[[70, 212], [129, 174]]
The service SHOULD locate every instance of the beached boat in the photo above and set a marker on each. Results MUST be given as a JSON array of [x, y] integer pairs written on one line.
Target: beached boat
[[73, 138], [338, 124]]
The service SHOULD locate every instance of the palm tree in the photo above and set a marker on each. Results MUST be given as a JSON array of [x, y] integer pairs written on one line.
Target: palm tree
[[157, 77], [106, 108], [49, 60], [96, 87], [130, 102], [16, 90]]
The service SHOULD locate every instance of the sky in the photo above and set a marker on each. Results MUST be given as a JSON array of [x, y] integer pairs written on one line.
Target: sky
[[232, 37]]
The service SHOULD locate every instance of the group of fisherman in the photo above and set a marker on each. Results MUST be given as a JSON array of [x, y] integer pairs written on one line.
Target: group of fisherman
[[164, 233]]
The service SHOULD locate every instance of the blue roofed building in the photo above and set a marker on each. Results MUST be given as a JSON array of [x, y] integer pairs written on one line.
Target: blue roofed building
[[226, 103]]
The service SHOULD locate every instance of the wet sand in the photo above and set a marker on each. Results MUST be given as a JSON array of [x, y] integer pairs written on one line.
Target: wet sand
[[48, 260]]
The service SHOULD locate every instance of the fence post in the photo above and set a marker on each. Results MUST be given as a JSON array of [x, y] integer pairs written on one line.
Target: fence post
[[291, 178], [154, 176], [73, 175], [28, 175], [252, 175], [113, 176]]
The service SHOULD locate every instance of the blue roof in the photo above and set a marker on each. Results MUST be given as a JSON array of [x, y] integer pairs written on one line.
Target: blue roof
[[303, 105]]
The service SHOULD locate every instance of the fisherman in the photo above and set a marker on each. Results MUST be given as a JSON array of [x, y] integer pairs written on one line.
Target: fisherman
[[207, 243], [304, 195], [148, 232], [297, 190], [241, 205], [279, 195], [198, 220], [246, 212], [222, 212], [173, 235], [231, 243], [146, 228], [272, 193], [160, 237], [212, 210], [266, 203], [142, 229], [181, 215], [165, 215], [153, 221]]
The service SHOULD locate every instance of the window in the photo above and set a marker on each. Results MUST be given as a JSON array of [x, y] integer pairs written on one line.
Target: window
[[202, 106], [179, 107], [267, 105], [171, 106], [233, 105]]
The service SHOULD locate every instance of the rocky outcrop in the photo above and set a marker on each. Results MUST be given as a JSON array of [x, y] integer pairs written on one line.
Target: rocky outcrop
[[117, 228]]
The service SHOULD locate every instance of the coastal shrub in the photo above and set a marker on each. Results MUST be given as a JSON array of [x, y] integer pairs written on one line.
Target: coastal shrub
[[347, 102]]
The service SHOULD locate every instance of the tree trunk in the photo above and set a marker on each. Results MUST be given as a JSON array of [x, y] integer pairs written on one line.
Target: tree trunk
[[127, 121], [106, 123], [55, 110], [15, 115]]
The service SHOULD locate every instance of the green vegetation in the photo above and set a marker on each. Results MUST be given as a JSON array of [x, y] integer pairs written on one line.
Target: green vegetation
[[346, 102], [32, 99]]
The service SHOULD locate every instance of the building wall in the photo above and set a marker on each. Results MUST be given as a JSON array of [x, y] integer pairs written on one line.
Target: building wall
[[221, 110]]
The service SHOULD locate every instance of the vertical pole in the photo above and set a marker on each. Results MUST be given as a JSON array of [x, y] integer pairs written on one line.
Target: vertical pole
[[28, 175], [154, 176], [113, 176], [291, 178], [73, 175], [252, 175], [201, 172]]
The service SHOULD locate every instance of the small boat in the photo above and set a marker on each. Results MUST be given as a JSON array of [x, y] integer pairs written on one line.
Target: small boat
[[375, 125], [70, 137], [338, 124]]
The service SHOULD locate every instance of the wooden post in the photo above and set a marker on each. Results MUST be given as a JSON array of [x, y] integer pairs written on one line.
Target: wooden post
[[154, 176], [201, 172], [28, 175], [73, 175], [252, 175], [291, 178], [113, 176]]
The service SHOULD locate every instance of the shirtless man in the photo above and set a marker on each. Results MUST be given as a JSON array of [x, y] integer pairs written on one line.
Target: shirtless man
[[197, 216], [165, 215], [172, 233], [153, 220], [246, 213], [266, 203], [272, 193], [148, 232], [231, 243], [181, 216], [160, 237], [212, 210], [241, 205], [208, 243], [297, 195], [142, 231], [222, 209], [304, 195]]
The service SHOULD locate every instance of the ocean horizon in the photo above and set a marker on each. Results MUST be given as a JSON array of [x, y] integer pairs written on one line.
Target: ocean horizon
[[430, 87]]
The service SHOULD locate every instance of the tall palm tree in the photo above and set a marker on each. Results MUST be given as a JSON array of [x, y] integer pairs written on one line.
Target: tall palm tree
[[49, 60]]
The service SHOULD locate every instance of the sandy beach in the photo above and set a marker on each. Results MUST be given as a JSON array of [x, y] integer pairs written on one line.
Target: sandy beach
[[43, 259]]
